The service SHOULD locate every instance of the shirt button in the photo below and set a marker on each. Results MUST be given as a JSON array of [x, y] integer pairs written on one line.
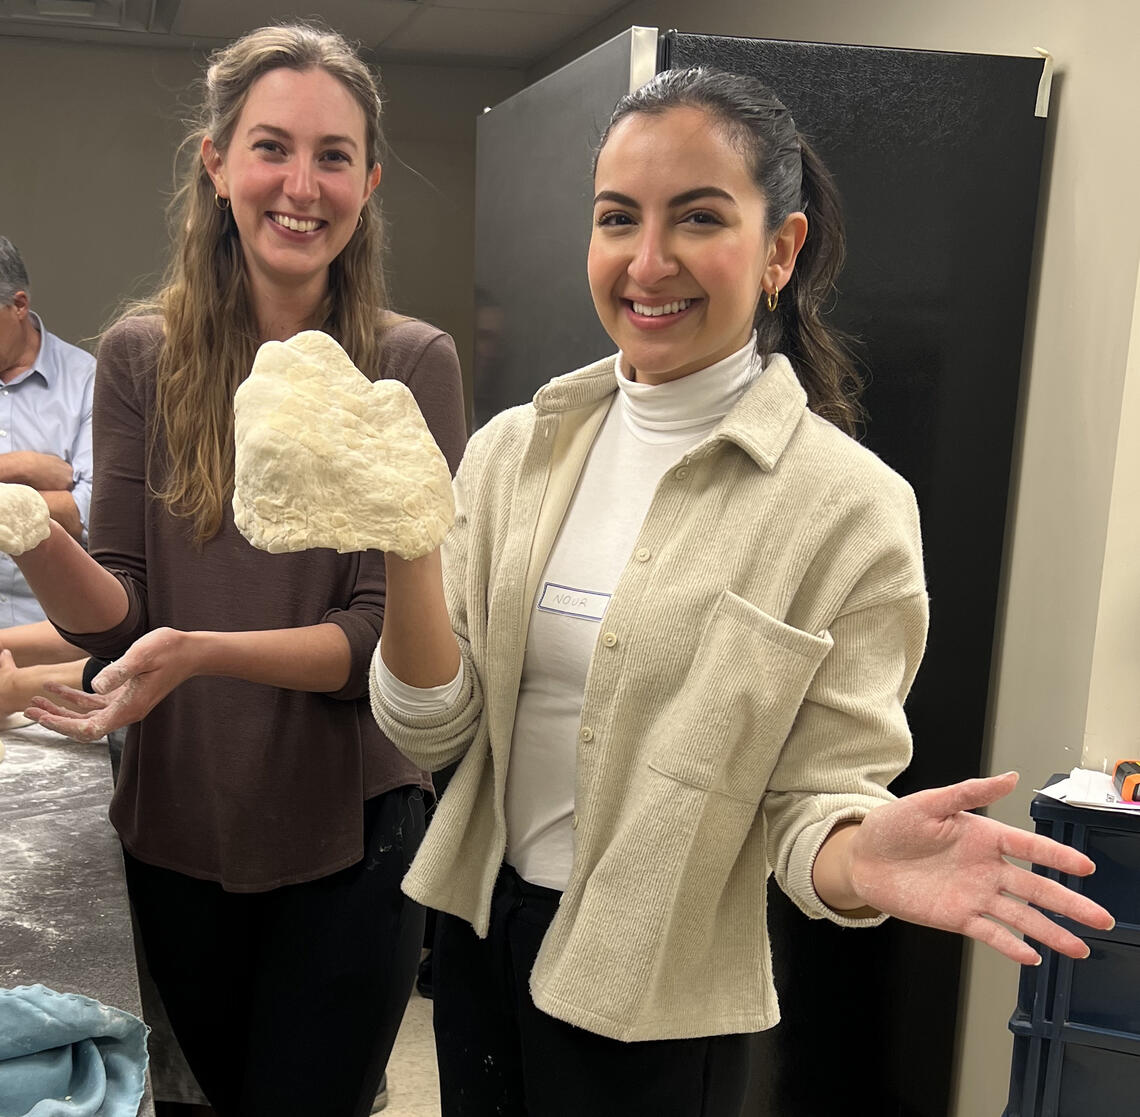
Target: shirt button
[[3, 434], [641, 554], [682, 473], [585, 734], [609, 639], [574, 823]]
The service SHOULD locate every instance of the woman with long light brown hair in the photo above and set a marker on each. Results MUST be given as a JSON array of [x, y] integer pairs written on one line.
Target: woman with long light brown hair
[[265, 820]]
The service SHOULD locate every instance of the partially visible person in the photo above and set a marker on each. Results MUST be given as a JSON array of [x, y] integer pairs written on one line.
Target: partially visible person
[[266, 821], [20, 685], [46, 388], [37, 643], [32, 655]]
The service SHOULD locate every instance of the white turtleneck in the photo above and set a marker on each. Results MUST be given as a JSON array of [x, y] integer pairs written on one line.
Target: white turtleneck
[[647, 429]]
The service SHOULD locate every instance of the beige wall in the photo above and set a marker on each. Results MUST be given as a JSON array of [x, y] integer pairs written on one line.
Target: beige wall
[[1112, 730], [89, 137], [1069, 651], [89, 140]]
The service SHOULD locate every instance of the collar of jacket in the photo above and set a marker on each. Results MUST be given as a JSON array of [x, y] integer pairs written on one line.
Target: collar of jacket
[[761, 424]]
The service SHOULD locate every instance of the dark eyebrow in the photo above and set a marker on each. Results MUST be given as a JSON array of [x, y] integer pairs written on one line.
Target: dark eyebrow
[[273, 130], [679, 200]]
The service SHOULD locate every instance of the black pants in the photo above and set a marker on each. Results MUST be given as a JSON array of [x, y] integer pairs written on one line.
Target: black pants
[[288, 1002], [498, 1054]]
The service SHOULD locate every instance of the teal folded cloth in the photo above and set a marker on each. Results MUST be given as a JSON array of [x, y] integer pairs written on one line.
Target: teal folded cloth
[[63, 1055]]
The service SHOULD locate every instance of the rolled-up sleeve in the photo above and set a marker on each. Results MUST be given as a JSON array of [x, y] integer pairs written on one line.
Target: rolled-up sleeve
[[849, 740], [436, 739]]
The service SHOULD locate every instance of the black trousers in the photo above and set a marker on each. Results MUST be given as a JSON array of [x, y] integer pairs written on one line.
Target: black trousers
[[498, 1054], [288, 1002]]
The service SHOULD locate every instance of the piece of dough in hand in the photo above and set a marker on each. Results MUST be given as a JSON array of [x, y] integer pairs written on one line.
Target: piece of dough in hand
[[24, 519], [324, 458]]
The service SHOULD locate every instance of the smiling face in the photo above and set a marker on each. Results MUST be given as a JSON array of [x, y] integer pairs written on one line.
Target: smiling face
[[296, 174], [680, 252]]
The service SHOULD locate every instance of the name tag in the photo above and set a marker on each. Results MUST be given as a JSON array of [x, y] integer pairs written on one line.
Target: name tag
[[570, 602]]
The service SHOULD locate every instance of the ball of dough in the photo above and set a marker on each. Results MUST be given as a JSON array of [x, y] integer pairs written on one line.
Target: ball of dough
[[24, 519], [325, 458]]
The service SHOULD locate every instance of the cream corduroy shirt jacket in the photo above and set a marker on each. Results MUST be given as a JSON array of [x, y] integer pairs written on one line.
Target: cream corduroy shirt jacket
[[745, 695]]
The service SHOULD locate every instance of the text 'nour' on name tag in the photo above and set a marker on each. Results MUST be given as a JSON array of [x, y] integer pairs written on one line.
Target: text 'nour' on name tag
[[572, 602]]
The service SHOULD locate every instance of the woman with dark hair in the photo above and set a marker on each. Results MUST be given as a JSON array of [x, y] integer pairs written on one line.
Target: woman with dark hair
[[266, 821], [678, 617]]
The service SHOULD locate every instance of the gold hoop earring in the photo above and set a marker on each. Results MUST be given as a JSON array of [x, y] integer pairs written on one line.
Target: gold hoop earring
[[222, 203], [773, 299]]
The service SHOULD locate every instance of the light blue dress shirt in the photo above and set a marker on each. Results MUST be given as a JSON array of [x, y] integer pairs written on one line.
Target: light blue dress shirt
[[47, 409]]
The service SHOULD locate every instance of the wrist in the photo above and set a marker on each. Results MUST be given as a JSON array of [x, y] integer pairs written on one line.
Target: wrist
[[424, 570], [850, 832], [834, 875], [198, 652], [45, 550], [11, 472]]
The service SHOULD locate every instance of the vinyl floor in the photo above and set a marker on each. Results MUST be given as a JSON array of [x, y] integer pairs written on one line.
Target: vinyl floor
[[413, 1079]]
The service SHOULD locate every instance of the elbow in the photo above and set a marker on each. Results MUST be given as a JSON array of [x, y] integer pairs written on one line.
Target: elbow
[[432, 741], [346, 685], [432, 758], [68, 519]]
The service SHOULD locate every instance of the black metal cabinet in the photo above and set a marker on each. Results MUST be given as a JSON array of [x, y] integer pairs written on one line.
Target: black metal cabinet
[[1076, 1048]]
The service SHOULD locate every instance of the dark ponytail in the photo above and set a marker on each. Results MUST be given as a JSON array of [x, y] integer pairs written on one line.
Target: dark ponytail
[[792, 178]]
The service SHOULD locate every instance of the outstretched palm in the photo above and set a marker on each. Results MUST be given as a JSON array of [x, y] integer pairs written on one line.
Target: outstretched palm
[[925, 859], [128, 689]]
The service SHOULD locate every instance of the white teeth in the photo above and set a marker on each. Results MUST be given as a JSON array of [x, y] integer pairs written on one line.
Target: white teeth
[[656, 311], [298, 225]]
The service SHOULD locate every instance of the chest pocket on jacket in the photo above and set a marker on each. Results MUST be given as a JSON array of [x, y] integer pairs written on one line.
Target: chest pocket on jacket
[[736, 708]]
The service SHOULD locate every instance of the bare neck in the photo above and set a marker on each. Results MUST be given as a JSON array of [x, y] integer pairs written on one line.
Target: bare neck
[[282, 311]]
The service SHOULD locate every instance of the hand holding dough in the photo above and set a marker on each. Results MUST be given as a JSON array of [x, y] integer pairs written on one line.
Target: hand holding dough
[[24, 519], [324, 458]]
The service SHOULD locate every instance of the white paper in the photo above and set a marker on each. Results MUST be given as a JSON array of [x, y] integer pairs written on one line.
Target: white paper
[[1085, 788], [1045, 85]]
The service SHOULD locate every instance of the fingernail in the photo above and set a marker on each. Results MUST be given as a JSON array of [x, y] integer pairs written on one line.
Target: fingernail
[[1088, 951], [1038, 962]]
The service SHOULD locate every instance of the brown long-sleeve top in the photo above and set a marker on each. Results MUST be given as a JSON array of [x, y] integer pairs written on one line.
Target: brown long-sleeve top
[[250, 785]]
